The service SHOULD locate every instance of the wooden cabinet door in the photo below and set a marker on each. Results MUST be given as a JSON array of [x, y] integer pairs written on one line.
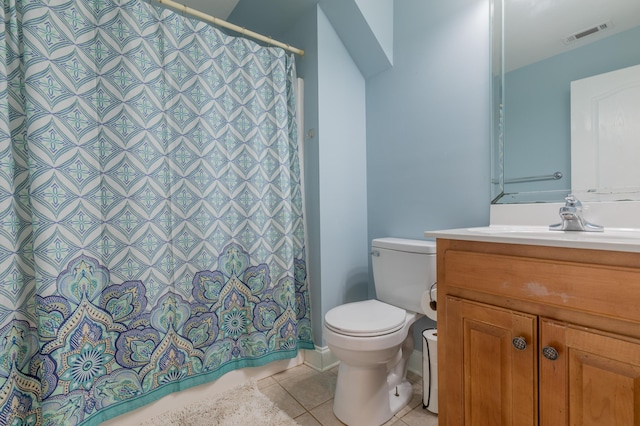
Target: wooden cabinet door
[[488, 381], [596, 377]]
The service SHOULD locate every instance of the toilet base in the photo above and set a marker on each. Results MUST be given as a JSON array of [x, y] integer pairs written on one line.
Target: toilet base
[[364, 398], [400, 398]]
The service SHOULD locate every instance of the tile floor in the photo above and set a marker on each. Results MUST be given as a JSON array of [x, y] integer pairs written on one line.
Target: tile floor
[[307, 396]]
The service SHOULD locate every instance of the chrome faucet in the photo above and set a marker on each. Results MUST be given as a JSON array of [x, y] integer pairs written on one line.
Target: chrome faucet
[[572, 220]]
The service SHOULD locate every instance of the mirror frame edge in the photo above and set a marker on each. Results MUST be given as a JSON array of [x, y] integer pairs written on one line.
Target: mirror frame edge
[[496, 64]]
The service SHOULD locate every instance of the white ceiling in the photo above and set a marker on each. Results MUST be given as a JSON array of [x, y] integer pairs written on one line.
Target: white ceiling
[[536, 29]]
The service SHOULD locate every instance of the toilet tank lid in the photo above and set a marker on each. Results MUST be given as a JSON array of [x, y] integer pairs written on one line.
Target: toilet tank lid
[[404, 244]]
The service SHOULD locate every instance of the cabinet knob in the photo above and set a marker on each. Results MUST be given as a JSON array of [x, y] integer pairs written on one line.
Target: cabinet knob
[[519, 343], [550, 353]]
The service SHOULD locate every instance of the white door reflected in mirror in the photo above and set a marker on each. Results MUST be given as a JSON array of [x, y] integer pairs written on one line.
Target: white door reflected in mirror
[[605, 136]]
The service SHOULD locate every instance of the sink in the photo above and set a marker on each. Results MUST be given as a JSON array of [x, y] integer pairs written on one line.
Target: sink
[[544, 232], [617, 239], [504, 229]]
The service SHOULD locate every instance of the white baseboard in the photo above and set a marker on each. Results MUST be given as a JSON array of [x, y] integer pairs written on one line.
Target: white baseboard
[[322, 359]]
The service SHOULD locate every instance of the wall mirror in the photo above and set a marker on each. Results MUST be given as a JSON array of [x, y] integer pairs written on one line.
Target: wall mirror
[[539, 47]]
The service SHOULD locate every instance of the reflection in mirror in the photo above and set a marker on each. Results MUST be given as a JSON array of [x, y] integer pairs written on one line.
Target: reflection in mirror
[[605, 136], [547, 45]]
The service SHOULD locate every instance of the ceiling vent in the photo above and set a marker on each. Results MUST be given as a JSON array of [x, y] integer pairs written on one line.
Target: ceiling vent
[[589, 31]]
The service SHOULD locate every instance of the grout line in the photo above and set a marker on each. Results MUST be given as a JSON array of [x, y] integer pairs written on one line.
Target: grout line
[[412, 379]]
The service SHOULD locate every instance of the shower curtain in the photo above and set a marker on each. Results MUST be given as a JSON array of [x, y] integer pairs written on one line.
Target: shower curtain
[[151, 229]]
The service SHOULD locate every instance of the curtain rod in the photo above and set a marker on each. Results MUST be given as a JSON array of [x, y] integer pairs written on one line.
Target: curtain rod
[[217, 21]]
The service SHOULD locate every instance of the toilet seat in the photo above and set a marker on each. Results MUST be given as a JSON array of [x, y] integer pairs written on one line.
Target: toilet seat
[[368, 318]]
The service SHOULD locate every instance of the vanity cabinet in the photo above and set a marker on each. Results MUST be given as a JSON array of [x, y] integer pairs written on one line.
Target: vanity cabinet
[[534, 335]]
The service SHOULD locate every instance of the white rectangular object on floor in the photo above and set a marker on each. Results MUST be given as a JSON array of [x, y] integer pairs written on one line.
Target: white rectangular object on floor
[[430, 369]]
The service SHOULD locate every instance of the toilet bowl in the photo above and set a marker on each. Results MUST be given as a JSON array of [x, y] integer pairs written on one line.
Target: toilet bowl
[[372, 383], [373, 339]]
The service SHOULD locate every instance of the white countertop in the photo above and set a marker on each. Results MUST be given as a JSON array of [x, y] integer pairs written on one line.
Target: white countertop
[[613, 239]]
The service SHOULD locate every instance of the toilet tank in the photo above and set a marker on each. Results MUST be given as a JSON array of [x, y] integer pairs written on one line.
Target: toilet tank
[[403, 270]]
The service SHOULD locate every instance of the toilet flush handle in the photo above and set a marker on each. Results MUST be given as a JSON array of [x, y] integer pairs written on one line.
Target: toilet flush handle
[[375, 253]]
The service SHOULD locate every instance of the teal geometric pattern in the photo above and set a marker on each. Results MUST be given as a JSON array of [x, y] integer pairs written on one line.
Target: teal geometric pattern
[[151, 227]]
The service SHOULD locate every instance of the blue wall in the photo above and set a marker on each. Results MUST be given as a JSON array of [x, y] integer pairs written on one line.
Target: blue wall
[[365, 27], [396, 149], [343, 171], [428, 150], [341, 135], [335, 166], [428, 157], [379, 16]]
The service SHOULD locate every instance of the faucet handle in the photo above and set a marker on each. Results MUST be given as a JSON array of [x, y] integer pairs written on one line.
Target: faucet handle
[[572, 201], [572, 220]]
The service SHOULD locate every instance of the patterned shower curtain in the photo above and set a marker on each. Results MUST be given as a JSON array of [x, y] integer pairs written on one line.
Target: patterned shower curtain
[[151, 230]]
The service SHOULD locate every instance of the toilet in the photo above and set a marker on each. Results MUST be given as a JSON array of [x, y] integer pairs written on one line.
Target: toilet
[[373, 339]]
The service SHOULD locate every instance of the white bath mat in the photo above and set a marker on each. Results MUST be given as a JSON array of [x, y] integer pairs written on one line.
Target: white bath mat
[[241, 405]]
